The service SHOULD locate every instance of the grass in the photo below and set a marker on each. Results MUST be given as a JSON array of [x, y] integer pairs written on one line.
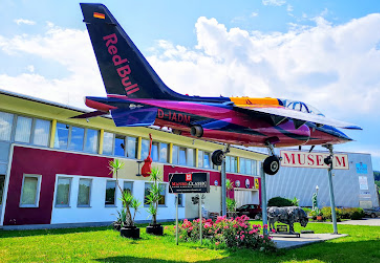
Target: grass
[[105, 245]]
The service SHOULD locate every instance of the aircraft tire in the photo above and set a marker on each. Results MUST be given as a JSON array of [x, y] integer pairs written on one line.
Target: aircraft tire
[[328, 160], [271, 165], [217, 157]]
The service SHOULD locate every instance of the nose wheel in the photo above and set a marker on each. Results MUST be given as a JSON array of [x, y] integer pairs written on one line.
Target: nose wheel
[[271, 165]]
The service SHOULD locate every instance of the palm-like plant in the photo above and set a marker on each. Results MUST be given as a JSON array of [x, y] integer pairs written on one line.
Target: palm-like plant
[[154, 194], [126, 197], [231, 202]]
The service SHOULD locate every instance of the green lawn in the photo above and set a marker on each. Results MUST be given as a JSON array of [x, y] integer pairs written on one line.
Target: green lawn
[[105, 245]]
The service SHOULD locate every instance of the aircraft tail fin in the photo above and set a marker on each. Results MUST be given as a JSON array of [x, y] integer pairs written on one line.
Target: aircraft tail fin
[[124, 69]]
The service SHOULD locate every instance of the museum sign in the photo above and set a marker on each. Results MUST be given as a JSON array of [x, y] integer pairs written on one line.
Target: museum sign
[[312, 160]]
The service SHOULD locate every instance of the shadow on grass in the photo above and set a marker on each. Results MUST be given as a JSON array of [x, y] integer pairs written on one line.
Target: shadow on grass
[[360, 251], [44, 232]]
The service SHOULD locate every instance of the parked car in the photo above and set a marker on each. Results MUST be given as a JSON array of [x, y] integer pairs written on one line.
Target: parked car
[[251, 210], [372, 212]]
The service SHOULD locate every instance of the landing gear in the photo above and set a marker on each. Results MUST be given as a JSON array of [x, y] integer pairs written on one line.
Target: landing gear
[[218, 155], [271, 165]]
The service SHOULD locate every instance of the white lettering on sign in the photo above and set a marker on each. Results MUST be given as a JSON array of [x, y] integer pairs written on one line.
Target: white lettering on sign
[[312, 160]]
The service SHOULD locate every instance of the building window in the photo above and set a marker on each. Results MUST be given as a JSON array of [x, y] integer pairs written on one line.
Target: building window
[[23, 129], [74, 138], [91, 145], [30, 193], [63, 191], [231, 164], [128, 186], [248, 166], [159, 151], [108, 143], [84, 192], [77, 139], [120, 145], [162, 193], [204, 160], [180, 199], [61, 136], [110, 193], [183, 156], [6, 123], [41, 132], [132, 147]]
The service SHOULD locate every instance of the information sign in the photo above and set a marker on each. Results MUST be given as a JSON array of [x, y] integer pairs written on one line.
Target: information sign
[[184, 183]]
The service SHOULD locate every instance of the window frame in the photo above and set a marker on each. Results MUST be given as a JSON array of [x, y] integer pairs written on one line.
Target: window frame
[[158, 143], [125, 138], [115, 194], [89, 193], [128, 181], [69, 136], [69, 194], [38, 191], [164, 190]]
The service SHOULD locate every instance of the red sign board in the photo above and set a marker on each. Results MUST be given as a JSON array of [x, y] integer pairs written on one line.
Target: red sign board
[[312, 160]]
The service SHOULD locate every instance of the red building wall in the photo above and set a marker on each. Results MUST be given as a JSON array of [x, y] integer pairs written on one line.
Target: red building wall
[[47, 163]]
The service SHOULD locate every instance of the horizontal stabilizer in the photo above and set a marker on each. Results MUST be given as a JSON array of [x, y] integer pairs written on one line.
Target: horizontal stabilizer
[[307, 117], [134, 118], [89, 115]]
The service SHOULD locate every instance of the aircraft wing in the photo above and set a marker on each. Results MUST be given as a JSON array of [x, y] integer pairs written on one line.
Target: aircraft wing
[[302, 116]]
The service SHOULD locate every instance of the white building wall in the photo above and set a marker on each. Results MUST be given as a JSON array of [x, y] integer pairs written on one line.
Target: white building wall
[[302, 182], [98, 212]]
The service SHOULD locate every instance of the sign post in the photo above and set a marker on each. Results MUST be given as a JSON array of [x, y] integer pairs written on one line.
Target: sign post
[[176, 218], [186, 183], [264, 199], [224, 190], [200, 218]]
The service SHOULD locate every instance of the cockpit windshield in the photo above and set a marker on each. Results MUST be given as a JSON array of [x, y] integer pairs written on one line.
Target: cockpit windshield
[[300, 106]]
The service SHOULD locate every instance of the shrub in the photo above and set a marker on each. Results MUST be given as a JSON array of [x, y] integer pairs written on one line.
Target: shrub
[[358, 213], [307, 210], [232, 233], [279, 201], [326, 213]]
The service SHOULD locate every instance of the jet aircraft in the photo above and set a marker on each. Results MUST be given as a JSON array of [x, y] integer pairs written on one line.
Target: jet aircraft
[[136, 96]]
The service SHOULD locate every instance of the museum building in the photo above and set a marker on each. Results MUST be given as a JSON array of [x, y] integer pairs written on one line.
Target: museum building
[[54, 170]]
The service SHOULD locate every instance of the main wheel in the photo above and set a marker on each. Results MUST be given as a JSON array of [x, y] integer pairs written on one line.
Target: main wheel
[[217, 157], [373, 215], [271, 165]]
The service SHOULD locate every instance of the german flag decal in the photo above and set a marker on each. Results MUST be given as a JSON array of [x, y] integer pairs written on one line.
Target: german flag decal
[[99, 15]]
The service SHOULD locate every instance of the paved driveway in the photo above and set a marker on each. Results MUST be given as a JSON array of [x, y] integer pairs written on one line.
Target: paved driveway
[[364, 222]]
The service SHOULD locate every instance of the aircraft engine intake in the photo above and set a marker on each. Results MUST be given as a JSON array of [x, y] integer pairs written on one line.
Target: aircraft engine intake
[[196, 131]]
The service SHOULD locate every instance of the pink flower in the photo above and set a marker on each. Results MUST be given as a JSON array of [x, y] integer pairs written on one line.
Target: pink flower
[[236, 237], [190, 228], [265, 226], [273, 231], [241, 232], [242, 237], [217, 243], [263, 241], [251, 232], [259, 226], [225, 227]]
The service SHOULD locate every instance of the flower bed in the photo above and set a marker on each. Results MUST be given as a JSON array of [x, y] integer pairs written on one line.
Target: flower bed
[[233, 233]]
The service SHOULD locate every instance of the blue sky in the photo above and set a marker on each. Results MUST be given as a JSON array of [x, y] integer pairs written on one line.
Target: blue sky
[[325, 53]]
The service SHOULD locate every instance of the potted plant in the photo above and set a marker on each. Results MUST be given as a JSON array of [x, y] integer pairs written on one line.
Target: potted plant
[[121, 217], [128, 228], [152, 199]]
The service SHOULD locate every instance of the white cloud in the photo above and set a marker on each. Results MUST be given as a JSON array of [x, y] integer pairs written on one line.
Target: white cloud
[[30, 68], [289, 8], [254, 14], [67, 47], [24, 21], [274, 2]]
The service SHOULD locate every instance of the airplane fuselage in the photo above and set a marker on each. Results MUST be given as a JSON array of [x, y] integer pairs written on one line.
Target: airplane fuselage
[[221, 122]]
